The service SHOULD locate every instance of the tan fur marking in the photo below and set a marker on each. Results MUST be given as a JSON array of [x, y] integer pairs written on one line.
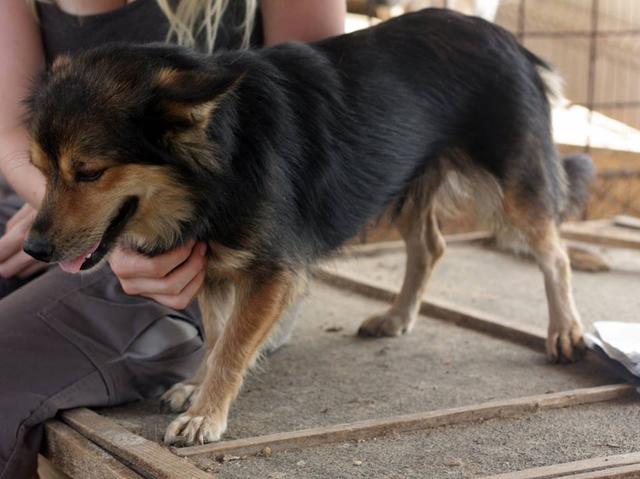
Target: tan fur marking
[[80, 212], [72, 160], [198, 115], [216, 301], [61, 63], [164, 204], [521, 214], [167, 76], [39, 159], [66, 159], [226, 261]]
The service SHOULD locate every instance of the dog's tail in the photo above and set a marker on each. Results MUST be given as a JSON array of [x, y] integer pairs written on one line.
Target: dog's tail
[[580, 172]]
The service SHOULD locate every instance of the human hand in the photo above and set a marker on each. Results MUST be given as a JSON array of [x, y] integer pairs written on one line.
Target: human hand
[[13, 260], [172, 278]]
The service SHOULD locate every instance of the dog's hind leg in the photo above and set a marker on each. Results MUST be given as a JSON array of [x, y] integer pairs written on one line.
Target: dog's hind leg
[[425, 245], [564, 339]]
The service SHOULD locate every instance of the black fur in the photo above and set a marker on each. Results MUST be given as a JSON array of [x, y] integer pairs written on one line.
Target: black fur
[[309, 142]]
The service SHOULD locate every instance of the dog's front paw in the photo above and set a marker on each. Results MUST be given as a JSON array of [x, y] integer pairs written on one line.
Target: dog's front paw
[[388, 324], [188, 429], [565, 345], [180, 396]]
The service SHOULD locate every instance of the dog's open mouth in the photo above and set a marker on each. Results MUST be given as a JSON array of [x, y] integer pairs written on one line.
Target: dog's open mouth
[[94, 254]]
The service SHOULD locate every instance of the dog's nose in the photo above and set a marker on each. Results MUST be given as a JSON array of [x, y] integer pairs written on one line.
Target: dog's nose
[[40, 248]]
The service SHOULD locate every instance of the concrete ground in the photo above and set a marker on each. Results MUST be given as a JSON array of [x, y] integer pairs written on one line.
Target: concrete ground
[[326, 376], [511, 286], [464, 451]]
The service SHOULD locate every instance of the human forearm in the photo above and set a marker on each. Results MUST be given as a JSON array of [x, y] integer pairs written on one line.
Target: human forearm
[[23, 177], [302, 20], [22, 58]]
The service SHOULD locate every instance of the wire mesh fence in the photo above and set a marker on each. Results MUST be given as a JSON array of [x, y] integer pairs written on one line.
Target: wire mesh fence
[[615, 192], [596, 46]]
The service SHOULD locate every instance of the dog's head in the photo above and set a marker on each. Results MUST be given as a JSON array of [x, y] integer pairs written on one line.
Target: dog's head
[[118, 132]]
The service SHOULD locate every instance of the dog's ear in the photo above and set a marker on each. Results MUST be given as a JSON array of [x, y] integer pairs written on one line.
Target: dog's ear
[[187, 98]]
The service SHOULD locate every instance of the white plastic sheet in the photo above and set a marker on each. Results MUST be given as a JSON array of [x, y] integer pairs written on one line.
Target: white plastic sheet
[[620, 341]]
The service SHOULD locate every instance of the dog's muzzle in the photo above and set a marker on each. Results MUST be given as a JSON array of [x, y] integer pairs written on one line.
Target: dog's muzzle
[[39, 248]]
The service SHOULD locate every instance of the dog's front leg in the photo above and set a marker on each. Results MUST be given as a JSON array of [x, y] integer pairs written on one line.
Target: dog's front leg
[[216, 305], [259, 304]]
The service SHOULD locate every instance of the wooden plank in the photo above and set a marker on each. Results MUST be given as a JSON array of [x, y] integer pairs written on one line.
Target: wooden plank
[[601, 232], [77, 457], [382, 247], [623, 472], [437, 308], [147, 458], [46, 469], [570, 469], [410, 422], [627, 221]]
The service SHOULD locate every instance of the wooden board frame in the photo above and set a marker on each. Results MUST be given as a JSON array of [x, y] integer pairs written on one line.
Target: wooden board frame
[[588, 232], [73, 455], [382, 247], [626, 236], [147, 458], [143, 458], [592, 468], [371, 428], [465, 317]]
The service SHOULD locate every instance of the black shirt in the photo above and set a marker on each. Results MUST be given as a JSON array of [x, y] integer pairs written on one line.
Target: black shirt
[[141, 21]]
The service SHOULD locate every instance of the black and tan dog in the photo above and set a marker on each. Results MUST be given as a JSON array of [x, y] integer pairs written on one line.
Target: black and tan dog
[[276, 157]]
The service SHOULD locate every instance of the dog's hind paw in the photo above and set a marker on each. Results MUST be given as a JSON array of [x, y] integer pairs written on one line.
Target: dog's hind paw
[[180, 396], [387, 324], [566, 345], [188, 430]]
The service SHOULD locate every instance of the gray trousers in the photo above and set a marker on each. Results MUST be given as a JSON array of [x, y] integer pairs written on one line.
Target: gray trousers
[[78, 340]]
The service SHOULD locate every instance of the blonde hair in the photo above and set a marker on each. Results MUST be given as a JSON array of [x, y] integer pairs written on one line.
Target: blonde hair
[[191, 18]]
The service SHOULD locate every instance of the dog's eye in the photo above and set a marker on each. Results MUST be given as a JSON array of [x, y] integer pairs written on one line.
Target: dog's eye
[[87, 176]]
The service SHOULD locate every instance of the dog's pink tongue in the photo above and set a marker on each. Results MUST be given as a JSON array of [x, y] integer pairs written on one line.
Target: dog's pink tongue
[[74, 265]]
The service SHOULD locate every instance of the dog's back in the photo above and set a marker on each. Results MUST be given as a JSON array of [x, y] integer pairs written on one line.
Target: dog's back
[[415, 97]]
